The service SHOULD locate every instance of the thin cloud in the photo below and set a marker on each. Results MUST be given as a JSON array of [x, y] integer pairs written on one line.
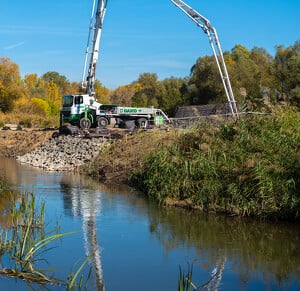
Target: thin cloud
[[13, 46]]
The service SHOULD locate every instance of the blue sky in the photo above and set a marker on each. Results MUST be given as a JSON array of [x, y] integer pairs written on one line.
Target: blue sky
[[138, 36]]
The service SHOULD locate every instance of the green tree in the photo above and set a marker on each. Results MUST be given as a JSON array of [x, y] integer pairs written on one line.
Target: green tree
[[173, 94], [61, 81], [123, 95], [205, 85], [263, 61], [287, 73], [149, 92], [35, 86], [246, 73], [265, 73]]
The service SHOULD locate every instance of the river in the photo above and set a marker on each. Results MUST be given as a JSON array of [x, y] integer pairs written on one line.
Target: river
[[137, 245]]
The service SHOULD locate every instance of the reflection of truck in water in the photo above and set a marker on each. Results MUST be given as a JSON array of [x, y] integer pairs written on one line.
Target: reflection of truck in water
[[84, 111]]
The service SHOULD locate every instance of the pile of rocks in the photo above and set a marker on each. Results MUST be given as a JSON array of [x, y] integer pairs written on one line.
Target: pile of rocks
[[64, 153]]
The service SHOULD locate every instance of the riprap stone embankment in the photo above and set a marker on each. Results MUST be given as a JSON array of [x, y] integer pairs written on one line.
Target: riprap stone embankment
[[64, 153]]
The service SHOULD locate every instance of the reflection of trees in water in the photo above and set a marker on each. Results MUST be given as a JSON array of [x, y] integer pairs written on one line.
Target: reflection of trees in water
[[8, 200], [12, 168], [251, 246], [12, 171]]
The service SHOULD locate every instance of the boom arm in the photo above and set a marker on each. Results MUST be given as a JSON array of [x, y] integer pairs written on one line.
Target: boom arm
[[211, 32], [96, 23]]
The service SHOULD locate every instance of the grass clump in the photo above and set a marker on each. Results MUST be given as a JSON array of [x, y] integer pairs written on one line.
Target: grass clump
[[24, 241], [185, 280], [248, 167]]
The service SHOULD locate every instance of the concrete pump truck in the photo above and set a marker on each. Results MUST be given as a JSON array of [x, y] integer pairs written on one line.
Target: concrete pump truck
[[83, 110]]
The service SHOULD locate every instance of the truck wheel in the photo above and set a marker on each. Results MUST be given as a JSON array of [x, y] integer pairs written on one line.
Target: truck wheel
[[102, 122], [85, 123], [142, 122]]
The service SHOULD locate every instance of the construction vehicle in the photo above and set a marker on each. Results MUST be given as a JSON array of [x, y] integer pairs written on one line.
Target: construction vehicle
[[84, 110], [211, 32]]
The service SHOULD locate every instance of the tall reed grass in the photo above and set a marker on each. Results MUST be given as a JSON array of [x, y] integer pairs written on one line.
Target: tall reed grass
[[185, 280], [24, 241], [248, 167]]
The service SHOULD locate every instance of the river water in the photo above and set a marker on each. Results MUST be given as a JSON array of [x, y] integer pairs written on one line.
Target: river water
[[137, 245]]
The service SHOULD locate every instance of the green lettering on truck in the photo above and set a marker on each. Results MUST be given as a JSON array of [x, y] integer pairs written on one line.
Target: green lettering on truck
[[133, 110]]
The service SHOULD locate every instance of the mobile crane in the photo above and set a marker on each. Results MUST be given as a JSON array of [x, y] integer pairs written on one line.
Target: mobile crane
[[211, 32], [84, 110]]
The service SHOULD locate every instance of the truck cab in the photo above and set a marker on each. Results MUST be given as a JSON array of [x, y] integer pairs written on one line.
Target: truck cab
[[81, 110]]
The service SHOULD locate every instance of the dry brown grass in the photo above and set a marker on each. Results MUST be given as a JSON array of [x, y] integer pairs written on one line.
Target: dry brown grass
[[115, 163], [14, 143], [28, 120]]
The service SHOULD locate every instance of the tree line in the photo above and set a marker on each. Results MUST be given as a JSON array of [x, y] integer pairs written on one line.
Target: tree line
[[255, 75]]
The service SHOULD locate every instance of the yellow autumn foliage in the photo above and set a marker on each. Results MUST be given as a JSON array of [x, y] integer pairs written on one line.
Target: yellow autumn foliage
[[41, 105]]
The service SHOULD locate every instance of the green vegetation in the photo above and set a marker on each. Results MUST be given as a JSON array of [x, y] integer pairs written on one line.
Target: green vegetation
[[248, 167], [221, 236], [185, 280], [255, 76], [23, 241]]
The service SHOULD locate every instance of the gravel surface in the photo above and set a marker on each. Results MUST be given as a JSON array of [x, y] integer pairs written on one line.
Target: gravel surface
[[64, 153]]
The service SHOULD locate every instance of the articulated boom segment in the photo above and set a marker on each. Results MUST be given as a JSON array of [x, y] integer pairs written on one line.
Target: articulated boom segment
[[95, 30], [211, 32]]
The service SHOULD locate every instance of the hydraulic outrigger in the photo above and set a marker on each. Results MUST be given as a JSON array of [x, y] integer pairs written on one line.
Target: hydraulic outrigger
[[211, 32]]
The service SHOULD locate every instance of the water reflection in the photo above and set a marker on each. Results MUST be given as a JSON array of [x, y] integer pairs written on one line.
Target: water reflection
[[247, 247], [8, 201], [78, 203], [220, 248], [79, 200], [250, 246]]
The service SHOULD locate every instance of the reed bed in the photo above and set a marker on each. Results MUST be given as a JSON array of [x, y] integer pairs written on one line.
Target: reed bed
[[24, 241], [248, 167]]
